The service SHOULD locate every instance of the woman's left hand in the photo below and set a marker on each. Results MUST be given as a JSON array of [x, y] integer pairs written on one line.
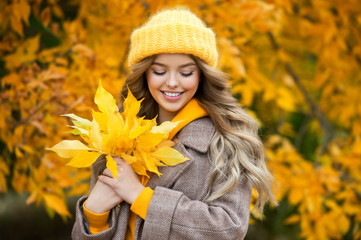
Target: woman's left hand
[[128, 186]]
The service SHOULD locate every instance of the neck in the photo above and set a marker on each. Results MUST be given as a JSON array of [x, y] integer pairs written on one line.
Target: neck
[[165, 116]]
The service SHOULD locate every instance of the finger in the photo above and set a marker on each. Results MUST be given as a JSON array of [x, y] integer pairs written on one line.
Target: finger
[[107, 180], [119, 160], [107, 172]]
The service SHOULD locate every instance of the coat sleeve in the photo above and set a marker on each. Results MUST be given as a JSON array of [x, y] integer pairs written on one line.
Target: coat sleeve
[[172, 215], [81, 232], [116, 228]]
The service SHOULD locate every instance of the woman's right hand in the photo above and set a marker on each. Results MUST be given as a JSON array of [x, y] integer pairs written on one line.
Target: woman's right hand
[[102, 198]]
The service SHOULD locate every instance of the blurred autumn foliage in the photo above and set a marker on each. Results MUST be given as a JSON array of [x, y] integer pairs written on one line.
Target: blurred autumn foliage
[[294, 64]]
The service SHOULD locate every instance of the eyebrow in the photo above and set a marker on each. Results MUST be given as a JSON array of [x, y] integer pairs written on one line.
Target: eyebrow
[[181, 66]]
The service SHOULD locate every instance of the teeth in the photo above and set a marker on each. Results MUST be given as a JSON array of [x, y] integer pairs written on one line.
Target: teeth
[[172, 94]]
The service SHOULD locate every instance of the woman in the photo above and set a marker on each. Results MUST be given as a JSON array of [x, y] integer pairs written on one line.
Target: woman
[[173, 59]]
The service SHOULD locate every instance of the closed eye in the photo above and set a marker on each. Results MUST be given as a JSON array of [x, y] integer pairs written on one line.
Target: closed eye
[[159, 73], [187, 74]]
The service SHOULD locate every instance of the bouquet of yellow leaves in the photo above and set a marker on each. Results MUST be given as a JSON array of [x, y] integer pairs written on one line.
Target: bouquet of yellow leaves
[[140, 142]]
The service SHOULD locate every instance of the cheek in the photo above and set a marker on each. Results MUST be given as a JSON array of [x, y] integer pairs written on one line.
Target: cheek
[[191, 84], [153, 82]]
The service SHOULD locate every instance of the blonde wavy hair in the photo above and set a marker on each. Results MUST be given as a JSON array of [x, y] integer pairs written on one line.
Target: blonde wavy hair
[[236, 150]]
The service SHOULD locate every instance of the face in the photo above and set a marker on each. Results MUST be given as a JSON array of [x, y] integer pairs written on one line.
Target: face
[[172, 80]]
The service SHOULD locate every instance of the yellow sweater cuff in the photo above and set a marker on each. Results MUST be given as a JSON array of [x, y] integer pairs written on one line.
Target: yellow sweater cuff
[[97, 222], [141, 203]]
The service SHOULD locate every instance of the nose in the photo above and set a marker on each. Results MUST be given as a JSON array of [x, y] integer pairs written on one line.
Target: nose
[[172, 80]]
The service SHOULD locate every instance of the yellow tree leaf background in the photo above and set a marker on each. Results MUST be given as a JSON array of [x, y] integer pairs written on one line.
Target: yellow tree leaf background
[[295, 65]]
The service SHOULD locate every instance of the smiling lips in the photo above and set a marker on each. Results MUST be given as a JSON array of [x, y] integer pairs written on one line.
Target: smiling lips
[[172, 95]]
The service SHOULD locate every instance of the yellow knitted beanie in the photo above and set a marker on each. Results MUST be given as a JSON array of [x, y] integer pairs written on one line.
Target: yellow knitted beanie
[[173, 31]]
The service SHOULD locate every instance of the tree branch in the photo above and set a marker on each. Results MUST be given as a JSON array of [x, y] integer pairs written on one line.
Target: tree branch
[[316, 111], [24, 121]]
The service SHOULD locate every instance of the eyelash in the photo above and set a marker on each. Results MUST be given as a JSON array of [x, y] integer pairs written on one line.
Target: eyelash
[[187, 74], [159, 73], [183, 74]]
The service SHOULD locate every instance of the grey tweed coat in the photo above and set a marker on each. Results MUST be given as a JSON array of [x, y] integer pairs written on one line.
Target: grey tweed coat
[[176, 210]]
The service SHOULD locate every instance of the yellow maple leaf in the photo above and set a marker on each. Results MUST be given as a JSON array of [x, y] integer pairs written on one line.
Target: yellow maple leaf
[[56, 203], [105, 101], [140, 142], [165, 128], [95, 135], [112, 165], [69, 148], [84, 159], [168, 155], [80, 124], [26, 52]]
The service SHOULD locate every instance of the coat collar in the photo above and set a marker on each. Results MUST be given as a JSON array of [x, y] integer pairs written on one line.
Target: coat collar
[[190, 112], [197, 135]]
